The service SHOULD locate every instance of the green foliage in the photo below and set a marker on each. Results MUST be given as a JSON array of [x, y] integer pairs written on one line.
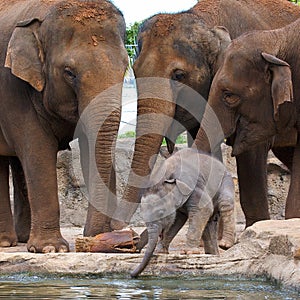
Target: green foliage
[[181, 139], [131, 35], [295, 1], [127, 134], [131, 134]]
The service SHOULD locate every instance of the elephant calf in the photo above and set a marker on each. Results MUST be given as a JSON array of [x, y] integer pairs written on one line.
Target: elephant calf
[[192, 185]]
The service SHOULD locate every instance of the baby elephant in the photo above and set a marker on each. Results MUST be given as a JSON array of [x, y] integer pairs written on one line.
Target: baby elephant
[[193, 185]]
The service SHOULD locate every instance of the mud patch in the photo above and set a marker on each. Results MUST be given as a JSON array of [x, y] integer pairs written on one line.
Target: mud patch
[[90, 10]]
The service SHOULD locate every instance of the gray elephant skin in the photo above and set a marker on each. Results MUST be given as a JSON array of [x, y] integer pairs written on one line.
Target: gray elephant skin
[[260, 98], [187, 48], [200, 187], [56, 57]]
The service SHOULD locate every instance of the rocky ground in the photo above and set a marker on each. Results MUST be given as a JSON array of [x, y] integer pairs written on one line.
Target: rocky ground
[[268, 248]]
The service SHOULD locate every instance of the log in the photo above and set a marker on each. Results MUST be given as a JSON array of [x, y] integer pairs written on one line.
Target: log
[[297, 254], [118, 241]]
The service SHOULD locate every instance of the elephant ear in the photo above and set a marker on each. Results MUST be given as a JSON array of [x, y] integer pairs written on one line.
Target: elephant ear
[[185, 191], [223, 35], [184, 188], [282, 92], [24, 54]]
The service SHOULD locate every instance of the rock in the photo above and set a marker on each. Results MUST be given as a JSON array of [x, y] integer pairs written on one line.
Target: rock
[[71, 188], [282, 236]]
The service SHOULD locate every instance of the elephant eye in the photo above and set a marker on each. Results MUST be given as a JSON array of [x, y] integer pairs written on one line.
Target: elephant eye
[[179, 75], [170, 181], [230, 99], [69, 74]]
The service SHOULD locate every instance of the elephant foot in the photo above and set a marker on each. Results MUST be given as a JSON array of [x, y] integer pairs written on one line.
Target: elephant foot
[[117, 225], [226, 244], [23, 235], [96, 223], [40, 244], [161, 249], [93, 228], [8, 240], [189, 251], [22, 228]]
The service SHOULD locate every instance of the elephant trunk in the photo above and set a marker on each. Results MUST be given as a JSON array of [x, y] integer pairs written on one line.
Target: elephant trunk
[[97, 132], [218, 123], [153, 234], [155, 115]]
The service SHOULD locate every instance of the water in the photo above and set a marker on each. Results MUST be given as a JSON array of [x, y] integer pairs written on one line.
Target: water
[[26, 286]]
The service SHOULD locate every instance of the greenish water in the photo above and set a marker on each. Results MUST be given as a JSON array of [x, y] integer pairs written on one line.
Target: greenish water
[[62, 287]]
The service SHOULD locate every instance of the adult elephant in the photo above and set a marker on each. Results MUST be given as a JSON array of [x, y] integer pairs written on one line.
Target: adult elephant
[[187, 49], [58, 60], [255, 95]]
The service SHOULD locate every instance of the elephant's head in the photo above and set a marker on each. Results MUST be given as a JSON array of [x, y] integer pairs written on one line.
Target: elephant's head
[[181, 49], [251, 94], [71, 56], [178, 56]]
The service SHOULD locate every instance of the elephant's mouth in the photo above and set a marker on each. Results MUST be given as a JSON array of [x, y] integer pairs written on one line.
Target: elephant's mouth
[[249, 134]]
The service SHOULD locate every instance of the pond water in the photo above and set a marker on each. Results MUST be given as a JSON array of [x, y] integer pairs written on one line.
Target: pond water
[[26, 286]]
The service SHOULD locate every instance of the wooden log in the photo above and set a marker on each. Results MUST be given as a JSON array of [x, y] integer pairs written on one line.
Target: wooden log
[[297, 253], [118, 241]]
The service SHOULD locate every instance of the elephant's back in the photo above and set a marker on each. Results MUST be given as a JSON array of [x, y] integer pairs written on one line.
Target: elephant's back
[[275, 13], [190, 161], [245, 15]]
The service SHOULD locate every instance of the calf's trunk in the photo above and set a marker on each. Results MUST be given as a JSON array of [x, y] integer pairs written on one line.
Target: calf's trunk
[[153, 234]]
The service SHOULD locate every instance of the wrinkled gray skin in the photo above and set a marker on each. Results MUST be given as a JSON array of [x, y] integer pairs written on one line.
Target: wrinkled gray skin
[[198, 186], [187, 47], [255, 94], [56, 60]]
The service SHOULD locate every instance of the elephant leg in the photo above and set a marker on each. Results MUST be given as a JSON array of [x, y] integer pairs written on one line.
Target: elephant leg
[[198, 214], [225, 205], [8, 236], [285, 155], [22, 216], [143, 240], [252, 174], [228, 233], [168, 236], [39, 165], [210, 236], [292, 208]]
